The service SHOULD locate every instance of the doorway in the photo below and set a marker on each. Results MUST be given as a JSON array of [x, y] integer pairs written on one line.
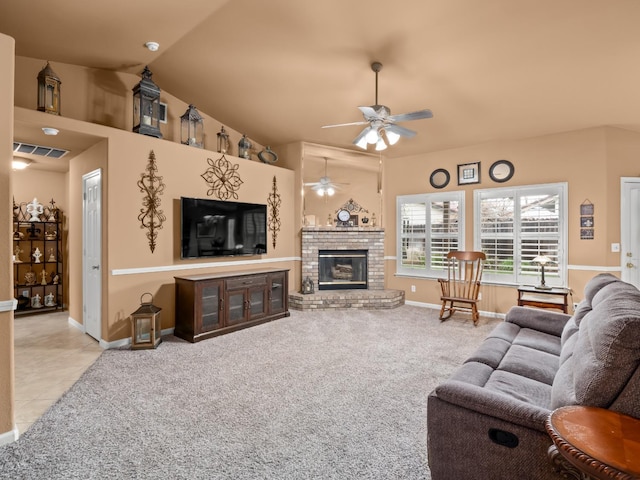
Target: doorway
[[92, 253], [630, 230]]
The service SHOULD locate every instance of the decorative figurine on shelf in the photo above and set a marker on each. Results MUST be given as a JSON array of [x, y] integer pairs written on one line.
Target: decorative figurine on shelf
[[52, 257], [50, 234], [49, 301], [365, 220], [33, 231], [35, 301], [18, 235], [53, 210], [373, 219], [16, 254], [35, 210], [29, 278], [36, 255], [43, 276], [329, 220], [56, 279]]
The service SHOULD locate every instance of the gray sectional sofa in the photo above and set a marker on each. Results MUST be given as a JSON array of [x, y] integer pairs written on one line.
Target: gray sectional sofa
[[487, 420]]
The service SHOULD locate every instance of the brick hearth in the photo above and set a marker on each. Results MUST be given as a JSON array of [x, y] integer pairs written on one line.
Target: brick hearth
[[345, 238]]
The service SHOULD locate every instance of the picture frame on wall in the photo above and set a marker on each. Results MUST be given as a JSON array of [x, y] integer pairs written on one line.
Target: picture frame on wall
[[469, 173]]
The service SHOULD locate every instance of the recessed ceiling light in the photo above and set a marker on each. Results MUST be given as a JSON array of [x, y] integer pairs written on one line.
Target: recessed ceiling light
[[153, 46], [50, 131]]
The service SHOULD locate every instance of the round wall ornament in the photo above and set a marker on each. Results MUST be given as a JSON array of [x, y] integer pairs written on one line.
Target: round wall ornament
[[439, 178], [501, 171]]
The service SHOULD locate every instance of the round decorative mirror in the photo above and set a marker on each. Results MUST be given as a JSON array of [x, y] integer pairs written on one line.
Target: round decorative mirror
[[439, 178], [501, 171]]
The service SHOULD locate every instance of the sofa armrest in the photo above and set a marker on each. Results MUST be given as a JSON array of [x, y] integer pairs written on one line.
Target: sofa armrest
[[537, 319], [493, 404]]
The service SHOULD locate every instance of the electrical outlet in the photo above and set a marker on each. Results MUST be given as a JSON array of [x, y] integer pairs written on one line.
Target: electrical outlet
[[615, 247], [413, 288], [480, 296], [575, 305]]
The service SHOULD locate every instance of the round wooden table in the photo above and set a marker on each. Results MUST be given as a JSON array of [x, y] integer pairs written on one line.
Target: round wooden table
[[596, 443]]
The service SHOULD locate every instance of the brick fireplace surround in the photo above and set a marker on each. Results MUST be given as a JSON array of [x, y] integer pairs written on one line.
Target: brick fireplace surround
[[345, 238]]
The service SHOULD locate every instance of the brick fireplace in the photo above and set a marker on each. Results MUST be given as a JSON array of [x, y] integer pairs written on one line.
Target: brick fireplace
[[336, 239]]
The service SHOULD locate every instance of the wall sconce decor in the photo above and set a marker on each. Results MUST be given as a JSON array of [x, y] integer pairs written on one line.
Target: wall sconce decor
[[244, 148], [146, 106], [222, 178], [224, 146], [274, 201], [146, 328], [48, 91], [151, 217], [192, 128]]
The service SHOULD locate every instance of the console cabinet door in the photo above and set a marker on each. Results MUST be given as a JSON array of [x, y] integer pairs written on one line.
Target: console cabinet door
[[236, 306], [209, 306], [258, 302], [278, 292]]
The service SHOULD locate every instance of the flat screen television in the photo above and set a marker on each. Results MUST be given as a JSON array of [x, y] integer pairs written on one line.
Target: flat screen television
[[216, 228]]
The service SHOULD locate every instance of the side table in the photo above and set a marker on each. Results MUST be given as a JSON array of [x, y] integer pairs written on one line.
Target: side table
[[555, 297], [594, 443]]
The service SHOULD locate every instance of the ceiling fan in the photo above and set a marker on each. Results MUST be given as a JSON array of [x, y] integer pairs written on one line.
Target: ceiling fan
[[382, 129], [325, 186]]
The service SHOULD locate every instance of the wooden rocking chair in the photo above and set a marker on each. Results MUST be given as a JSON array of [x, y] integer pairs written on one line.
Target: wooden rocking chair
[[461, 287]]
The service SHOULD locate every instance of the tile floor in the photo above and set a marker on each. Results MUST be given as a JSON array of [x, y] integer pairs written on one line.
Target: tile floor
[[50, 355]]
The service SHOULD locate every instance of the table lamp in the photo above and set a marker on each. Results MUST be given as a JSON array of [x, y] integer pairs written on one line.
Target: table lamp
[[542, 260]]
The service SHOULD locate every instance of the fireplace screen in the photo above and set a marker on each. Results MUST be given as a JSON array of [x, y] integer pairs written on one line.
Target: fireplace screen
[[342, 269]]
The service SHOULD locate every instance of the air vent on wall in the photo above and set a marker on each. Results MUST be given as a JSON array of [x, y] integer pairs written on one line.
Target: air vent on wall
[[39, 150]]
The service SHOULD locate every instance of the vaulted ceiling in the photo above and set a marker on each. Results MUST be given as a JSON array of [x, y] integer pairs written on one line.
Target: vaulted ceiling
[[280, 69]]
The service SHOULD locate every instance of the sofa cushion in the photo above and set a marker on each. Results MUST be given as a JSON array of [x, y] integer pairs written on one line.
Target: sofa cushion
[[520, 388], [530, 363], [606, 352]]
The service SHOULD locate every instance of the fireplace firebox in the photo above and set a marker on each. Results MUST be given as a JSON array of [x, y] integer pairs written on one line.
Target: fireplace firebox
[[342, 269]]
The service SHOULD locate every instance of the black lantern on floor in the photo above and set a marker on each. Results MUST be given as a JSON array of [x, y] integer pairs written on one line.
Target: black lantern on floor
[[48, 91], [146, 106], [146, 329], [192, 128], [223, 141], [307, 286], [244, 148]]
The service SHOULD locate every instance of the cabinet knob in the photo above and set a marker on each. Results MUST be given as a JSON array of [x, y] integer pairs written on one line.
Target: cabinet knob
[[630, 265]]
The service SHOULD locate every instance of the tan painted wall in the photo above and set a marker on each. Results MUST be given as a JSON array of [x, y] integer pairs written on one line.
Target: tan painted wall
[[591, 161], [7, 389]]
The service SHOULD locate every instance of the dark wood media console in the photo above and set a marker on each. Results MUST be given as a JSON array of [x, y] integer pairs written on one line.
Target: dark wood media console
[[213, 304]]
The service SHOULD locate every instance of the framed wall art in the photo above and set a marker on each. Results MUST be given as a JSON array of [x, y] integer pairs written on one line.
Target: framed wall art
[[469, 173], [439, 178], [501, 171]]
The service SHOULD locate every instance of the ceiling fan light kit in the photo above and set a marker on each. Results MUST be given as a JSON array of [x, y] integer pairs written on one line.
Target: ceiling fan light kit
[[382, 129]]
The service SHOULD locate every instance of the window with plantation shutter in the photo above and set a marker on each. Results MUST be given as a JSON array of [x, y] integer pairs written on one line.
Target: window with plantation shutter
[[429, 226], [514, 225]]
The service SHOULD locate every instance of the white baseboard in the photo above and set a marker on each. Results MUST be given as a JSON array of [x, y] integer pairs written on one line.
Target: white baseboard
[[9, 437], [437, 307], [77, 325], [127, 341]]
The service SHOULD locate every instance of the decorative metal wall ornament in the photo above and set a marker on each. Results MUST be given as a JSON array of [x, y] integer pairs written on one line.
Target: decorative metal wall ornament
[[222, 178], [151, 217], [274, 203]]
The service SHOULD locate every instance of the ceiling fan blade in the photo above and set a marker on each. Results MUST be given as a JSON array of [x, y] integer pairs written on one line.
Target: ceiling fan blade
[[404, 117], [345, 124], [371, 113], [402, 131]]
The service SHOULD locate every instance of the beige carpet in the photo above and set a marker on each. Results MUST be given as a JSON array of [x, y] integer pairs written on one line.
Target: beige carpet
[[321, 395]]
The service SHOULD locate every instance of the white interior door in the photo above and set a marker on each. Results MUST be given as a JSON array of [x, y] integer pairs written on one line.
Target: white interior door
[[92, 253], [630, 230]]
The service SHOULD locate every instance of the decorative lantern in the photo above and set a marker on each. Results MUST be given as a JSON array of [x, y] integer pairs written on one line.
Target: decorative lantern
[[244, 148], [48, 91], [223, 141], [146, 106], [146, 329], [307, 286], [192, 128]]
